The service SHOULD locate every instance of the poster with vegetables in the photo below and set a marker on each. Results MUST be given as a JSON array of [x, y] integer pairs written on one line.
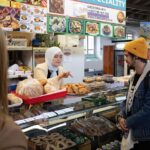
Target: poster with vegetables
[[92, 28], [75, 26], [57, 24], [106, 30], [119, 31], [9, 18], [33, 19]]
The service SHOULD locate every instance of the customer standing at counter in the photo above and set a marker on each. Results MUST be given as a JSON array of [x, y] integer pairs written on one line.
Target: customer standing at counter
[[134, 117], [11, 136], [51, 71]]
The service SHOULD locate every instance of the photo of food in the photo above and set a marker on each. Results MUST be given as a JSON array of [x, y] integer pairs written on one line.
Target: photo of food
[[23, 26], [57, 24], [56, 6], [119, 31], [9, 18], [106, 30], [33, 19], [76, 26], [42, 3], [24, 17], [37, 19], [92, 28], [120, 17]]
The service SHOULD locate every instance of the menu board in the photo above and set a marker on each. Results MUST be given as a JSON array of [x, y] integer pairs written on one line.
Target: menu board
[[112, 12], [57, 24], [106, 30], [119, 31], [76, 26], [42, 3], [9, 18], [92, 28], [33, 19]]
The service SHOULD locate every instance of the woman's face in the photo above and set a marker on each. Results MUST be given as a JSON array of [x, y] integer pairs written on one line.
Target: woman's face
[[57, 59]]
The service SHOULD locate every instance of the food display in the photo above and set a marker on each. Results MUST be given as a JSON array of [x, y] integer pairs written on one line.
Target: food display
[[57, 24], [13, 100], [29, 88], [106, 30], [88, 79], [53, 141], [33, 19], [93, 126], [9, 18], [76, 88], [56, 6], [119, 31], [76, 26], [92, 28]]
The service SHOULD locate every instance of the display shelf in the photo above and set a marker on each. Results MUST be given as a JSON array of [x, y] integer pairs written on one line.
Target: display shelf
[[17, 76], [68, 116], [19, 48], [40, 49]]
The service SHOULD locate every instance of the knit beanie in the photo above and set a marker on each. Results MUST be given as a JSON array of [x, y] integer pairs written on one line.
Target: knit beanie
[[138, 48]]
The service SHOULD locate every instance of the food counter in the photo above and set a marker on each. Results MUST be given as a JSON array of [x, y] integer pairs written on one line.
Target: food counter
[[46, 118]]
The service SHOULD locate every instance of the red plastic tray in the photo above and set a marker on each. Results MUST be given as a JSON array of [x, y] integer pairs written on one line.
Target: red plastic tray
[[45, 97]]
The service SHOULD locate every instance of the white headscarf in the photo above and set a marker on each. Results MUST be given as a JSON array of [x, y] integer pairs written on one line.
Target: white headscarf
[[49, 55]]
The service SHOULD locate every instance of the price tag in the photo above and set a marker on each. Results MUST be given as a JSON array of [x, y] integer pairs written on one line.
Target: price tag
[[18, 122], [59, 112], [120, 98]]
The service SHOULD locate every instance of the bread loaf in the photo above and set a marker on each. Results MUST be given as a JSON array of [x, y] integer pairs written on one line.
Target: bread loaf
[[29, 88]]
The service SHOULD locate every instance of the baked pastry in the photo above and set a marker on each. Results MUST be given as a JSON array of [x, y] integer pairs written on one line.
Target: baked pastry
[[29, 88]]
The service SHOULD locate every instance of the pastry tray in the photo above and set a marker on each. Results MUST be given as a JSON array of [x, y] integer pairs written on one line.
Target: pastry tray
[[44, 98]]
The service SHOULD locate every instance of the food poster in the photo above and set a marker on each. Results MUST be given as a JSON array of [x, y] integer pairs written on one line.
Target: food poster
[[33, 19], [106, 30], [9, 18], [106, 11], [92, 28], [119, 31], [56, 6], [145, 29], [42, 3], [15, 4], [4, 3], [57, 24], [75, 26]]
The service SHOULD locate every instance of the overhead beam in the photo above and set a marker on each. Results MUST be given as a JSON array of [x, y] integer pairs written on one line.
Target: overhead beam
[[146, 3], [138, 7], [136, 1]]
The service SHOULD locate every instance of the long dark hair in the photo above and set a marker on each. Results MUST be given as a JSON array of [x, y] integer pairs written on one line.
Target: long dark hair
[[3, 73]]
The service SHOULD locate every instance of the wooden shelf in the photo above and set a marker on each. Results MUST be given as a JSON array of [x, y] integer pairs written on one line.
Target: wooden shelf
[[19, 48]]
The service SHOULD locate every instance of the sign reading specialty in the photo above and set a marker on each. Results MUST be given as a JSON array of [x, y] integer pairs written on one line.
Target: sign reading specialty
[[112, 11]]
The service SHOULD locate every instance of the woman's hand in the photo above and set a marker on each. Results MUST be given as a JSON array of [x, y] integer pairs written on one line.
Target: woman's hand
[[43, 81], [122, 124], [64, 75]]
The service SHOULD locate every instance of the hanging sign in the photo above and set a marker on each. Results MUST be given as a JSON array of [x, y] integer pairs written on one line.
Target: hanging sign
[[112, 11]]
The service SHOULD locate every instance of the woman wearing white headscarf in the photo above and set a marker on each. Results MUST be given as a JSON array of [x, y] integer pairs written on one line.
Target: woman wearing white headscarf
[[51, 72]]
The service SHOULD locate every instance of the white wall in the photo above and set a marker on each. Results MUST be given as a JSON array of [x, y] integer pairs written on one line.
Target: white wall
[[97, 64]]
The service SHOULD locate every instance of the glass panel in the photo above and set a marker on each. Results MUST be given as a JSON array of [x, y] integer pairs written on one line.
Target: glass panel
[[85, 43], [90, 42]]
